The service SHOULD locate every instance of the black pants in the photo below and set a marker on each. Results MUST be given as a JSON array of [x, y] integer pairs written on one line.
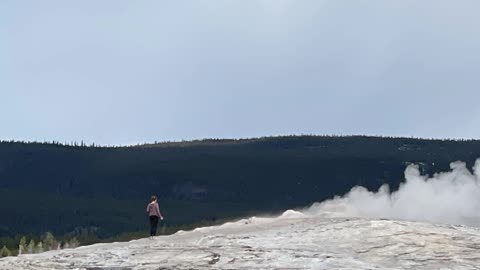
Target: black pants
[[153, 225]]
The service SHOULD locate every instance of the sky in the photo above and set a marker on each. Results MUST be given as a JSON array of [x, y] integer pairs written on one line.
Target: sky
[[120, 72]]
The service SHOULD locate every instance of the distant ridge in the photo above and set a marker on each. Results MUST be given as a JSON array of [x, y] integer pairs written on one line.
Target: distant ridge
[[216, 141]]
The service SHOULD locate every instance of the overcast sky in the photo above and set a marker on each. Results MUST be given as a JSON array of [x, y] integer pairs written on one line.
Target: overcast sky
[[123, 72]]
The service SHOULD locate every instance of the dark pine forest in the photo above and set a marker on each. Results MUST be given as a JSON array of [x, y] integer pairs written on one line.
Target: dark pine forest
[[68, 189]]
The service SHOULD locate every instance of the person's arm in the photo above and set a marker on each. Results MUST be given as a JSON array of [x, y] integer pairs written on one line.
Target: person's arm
[[158, 211], [148, 208]]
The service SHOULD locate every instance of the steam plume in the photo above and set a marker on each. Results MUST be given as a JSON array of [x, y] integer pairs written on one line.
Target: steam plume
[[447, 197]]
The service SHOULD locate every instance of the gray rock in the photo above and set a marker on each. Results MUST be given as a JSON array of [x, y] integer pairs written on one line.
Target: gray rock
[[292, 241]]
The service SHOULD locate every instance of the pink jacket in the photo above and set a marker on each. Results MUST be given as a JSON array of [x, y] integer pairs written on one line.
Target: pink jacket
[[153, 209]]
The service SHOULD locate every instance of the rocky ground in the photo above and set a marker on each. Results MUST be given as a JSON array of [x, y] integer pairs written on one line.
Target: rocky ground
[[293, 241]]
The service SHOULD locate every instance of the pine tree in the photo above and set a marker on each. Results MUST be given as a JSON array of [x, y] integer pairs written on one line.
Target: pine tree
[[5, 252], [50, 243], [31, 247], [22, 248], [39, 248], [73, 243]]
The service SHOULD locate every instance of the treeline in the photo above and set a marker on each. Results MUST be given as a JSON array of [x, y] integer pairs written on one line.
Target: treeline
[[216, 141], [25, 245]]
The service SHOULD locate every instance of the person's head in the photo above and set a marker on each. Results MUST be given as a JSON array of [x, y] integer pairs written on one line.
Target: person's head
[[153, 198]]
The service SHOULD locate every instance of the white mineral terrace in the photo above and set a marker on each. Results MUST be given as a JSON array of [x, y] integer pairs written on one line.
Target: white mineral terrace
[[292, 241]]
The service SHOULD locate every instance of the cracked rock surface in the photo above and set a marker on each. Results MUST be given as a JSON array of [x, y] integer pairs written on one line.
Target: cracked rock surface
[[291, 242]]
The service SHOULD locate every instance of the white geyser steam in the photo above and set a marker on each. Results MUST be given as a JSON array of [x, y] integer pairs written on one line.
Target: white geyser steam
[[448, 197]]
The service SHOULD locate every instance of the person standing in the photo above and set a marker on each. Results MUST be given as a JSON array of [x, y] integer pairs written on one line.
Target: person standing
[[154, 214]]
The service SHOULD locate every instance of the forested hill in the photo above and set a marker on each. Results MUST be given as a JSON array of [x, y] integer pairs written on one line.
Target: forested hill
[[67, 189]]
